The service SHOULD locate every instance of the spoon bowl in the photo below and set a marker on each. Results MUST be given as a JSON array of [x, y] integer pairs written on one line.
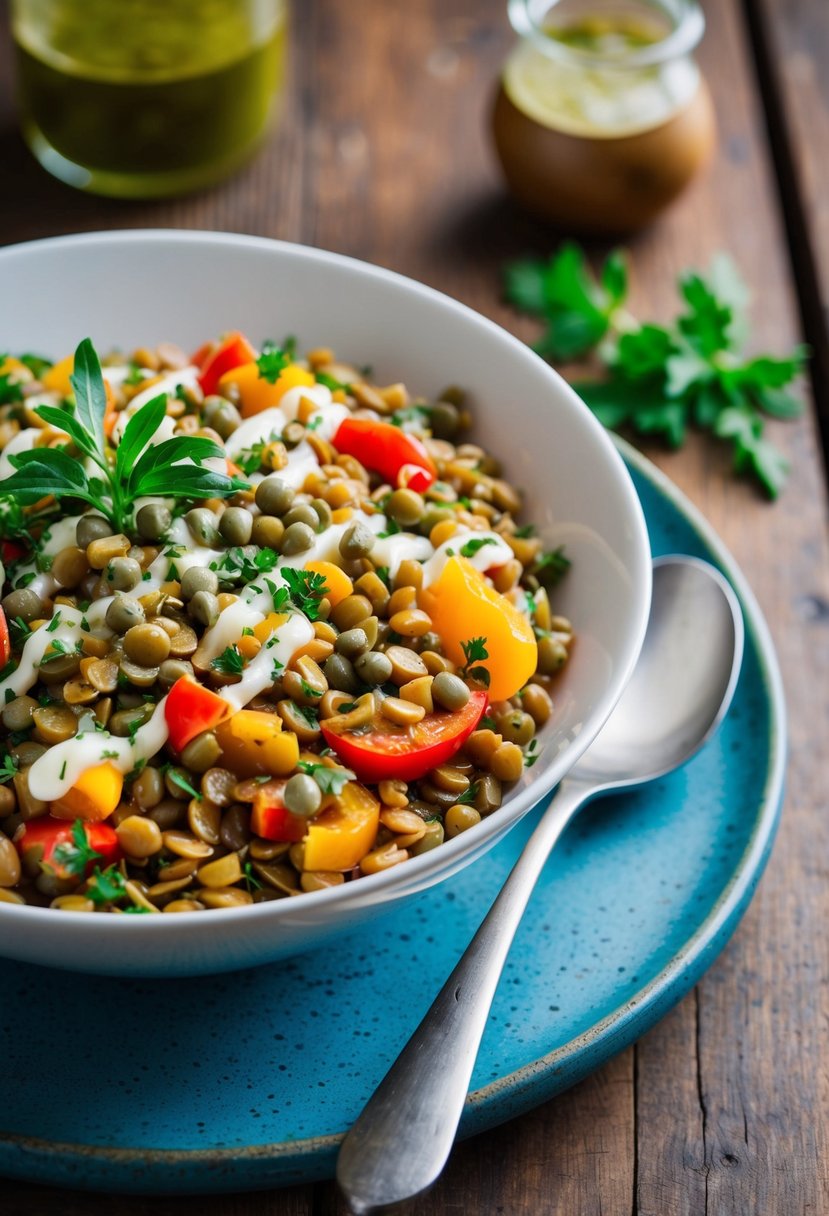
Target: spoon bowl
[[679, 692]]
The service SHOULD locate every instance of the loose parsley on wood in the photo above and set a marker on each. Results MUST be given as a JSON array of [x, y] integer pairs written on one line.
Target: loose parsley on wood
[[173, 468], [661, 380]]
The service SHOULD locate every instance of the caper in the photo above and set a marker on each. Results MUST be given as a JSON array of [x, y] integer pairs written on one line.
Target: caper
[[296, 539], [224, 416], [148, 645], [25, 604], [125, 721], [198, 578], [339, 672], [268, 531], [17, 715], [202, 525], [356, 541], [274, 496], [374, 667], [122, 574], [153, 520], [293, 434], [405, 507], [236, 525], [201, 753], [172, 670], [449, 691], [444, 419], [91, 527], [324, 514], [123, 613], [302, 513], [302, 795], [204, 607], [351, 643]]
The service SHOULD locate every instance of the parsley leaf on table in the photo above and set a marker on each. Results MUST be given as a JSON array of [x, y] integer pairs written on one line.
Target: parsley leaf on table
[[662, 380]]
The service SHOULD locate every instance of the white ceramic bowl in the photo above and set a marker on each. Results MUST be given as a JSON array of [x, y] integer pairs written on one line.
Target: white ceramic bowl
[[136, 288]]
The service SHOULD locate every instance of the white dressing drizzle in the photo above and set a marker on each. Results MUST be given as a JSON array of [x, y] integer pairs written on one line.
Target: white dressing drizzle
[[496, 553], [57, 770], [280, 647]]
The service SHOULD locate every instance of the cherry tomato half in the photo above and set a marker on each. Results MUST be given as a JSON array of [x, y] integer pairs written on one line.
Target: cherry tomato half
[[384, 752]]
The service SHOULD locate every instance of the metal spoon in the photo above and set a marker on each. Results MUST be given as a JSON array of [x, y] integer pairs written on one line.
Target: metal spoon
[[680, 690]]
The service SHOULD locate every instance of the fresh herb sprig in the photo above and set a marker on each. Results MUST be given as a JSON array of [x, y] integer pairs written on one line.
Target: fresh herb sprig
[[76, 854], [662, 380], [138, 468], [306, 589], [329, 780], [476, 652]]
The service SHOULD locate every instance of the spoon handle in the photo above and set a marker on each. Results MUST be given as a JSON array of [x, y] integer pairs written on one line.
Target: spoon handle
[[420, 1100]]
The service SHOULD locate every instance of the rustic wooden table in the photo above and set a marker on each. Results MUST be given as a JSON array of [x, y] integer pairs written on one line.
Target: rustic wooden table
[[724, 1106]]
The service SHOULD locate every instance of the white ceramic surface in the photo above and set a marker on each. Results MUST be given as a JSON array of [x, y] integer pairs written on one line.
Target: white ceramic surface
[[136, 288]]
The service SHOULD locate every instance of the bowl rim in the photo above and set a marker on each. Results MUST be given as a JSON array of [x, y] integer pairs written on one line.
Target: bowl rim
[[416, 870]]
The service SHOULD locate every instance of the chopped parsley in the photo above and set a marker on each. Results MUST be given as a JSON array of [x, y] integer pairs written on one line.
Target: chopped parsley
[[75, 855], [306, 588], [272, 362], [475, 651], [106, 886], [229, 662], [469, 795], [471, 547], [550, 567], [8, 768]]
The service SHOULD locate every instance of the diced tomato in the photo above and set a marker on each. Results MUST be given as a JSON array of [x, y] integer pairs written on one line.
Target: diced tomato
[[385, 752], [271, 819], [51, 834], [12, 551], [232, 351], [397, 456], [5, 640], [191, 708]]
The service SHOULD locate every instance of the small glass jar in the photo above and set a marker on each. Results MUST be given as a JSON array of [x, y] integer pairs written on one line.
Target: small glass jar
[[602, 115], [142, 98]]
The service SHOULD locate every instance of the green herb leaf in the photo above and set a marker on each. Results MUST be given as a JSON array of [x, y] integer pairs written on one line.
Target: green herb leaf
[[272, 362], [8, 768], [471, 547], [75, 856], [330, 780], [106, 886], [229, 662], [306, 588], [90, 393]]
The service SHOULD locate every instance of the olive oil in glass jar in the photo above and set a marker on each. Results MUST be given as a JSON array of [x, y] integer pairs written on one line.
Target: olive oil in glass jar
[[143, 98]]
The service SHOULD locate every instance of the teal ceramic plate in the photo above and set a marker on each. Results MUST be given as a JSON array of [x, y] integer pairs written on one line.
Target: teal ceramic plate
[[249, 1080]]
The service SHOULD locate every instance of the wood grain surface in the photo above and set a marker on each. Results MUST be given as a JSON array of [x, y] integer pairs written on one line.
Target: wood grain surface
[[382, 153]]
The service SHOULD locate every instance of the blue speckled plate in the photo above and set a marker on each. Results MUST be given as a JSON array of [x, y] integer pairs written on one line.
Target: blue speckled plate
[[249, 1080]]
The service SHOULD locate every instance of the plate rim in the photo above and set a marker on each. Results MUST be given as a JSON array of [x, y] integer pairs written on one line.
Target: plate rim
[[523, 1088]]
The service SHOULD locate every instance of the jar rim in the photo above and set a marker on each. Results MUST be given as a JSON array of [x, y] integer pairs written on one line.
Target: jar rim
[[528, 18]]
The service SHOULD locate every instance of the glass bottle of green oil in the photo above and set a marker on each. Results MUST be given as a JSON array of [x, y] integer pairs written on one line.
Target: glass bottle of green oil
[[142, 98]]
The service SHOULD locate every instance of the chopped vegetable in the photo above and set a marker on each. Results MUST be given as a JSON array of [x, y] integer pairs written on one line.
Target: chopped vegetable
[[191, 708], [69, 850], [396, 455]]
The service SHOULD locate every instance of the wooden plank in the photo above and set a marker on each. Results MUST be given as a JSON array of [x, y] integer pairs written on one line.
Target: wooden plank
[[791, 39]]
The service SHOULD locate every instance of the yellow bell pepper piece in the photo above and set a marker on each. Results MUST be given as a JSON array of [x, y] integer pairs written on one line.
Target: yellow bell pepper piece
[[253, 742], [462, 606], [56, 380], [344, 832], [13, 367], [271, 623], [95, 794], [338, 584], [256, 393]]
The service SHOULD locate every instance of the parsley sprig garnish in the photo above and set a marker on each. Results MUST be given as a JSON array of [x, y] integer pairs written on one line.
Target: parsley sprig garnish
[[661, 380], [272, 362], [106, 886], [138, 468], [475, 651], [471, 547], [306, 588], [8, 768], [75, 855]]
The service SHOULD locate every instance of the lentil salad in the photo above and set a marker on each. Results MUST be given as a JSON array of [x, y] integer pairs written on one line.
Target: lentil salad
[[266, 627]]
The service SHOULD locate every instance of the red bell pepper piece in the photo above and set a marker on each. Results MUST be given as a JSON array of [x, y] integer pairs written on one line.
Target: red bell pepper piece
[[71, 847], [385, 753], [5, 640], [271, 819], [396, 455], [12, 551], [233, 350], [191, 708]]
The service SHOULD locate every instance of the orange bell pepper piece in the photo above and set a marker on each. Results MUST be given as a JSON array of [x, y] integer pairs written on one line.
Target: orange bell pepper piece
[[256, 393], [462, 606], [337, 583], [95, 794], [341, 834]]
